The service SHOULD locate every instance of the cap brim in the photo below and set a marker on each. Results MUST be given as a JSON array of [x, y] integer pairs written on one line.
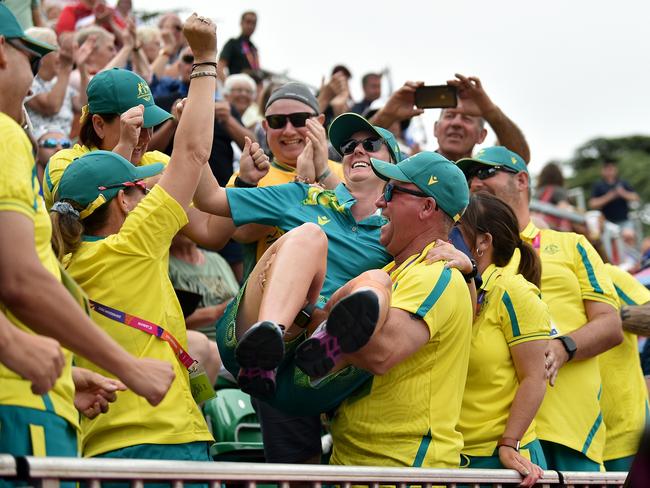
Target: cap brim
[[37, 46], [343, 126], [388, 171], [149, 170], [154, 115], [466, 164]]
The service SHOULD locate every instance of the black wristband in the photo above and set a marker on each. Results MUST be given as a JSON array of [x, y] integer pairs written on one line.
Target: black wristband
[[204, 63], [239, 183], [472, 274]]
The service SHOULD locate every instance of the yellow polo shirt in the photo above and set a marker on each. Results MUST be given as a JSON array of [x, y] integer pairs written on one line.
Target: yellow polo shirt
[[572, 271], [279, 174], [625, 395], [62, 159], [408, 416], [19, 192], [511, 313], [128, 271]]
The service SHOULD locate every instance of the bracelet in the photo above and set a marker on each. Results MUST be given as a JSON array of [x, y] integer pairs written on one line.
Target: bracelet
[[199, 74], [324, 175], [508, 442], [205, 63], [239, 183]]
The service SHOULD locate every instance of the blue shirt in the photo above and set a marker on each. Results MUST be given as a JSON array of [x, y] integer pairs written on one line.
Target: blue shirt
[[616, 210], [353, 247]]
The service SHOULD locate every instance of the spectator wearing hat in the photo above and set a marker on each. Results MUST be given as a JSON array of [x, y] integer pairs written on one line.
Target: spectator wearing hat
[[118, 236], [585, 322], [35, 421], [240, 54], [458, 130]]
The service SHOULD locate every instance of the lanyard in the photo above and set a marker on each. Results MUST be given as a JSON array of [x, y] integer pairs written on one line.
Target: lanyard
[[148, 327], [536, 241]]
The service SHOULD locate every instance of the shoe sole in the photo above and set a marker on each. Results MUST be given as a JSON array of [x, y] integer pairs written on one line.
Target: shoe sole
[[262, 387], [350, 325], [261, 346]]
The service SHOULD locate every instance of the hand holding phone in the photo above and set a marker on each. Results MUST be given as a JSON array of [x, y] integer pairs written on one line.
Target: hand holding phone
[[436, 96]]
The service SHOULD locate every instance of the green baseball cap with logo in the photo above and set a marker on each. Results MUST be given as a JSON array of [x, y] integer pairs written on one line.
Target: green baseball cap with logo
[[11, 29], [116, 90], [343, 126], [434, 175], [494, 156], [96, 178]]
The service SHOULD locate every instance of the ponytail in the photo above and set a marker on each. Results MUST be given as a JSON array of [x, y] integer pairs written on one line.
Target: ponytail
[[67, 229], [530, 265]]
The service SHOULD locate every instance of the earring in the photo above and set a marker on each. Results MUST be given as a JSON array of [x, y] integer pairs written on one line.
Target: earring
[[479, 253]]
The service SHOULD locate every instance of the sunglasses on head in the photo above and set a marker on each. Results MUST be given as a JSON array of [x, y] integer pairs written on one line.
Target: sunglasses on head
[[390, 188], [371, 144], [33, 56], [486, 172], [298, 119], [52, 142], [188, 58], [127, 184]]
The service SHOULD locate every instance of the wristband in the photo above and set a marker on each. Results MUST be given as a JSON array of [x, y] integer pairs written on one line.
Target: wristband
[[324, 175], [205, 63], [239, 183], [304, 316], [508, 442], [472, 274], [200, 74]]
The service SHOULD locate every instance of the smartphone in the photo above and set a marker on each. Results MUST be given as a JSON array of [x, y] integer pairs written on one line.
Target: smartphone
[[436, 96]]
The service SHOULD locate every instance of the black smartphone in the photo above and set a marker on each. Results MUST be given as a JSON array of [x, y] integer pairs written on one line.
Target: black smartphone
[[189, 301], [436, 96]]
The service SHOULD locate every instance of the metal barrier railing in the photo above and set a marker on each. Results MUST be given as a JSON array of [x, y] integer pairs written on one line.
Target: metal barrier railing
[[48, 472]]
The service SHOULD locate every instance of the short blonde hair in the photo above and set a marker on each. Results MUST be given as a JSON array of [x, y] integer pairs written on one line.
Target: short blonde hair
[[101, 34], [148, 33], [43, 34]]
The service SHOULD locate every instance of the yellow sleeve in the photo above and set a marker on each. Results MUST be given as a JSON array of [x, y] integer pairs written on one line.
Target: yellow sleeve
[[151, 157], [595, 283], [523, 315], [337, 169], [628, 288], [54, 172], [18, 185]]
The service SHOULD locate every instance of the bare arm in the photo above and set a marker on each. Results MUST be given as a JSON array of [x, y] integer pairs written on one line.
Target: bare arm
[[400, 106], [222, 65], [50, 103], [235, 130], [163, 136], [207, 230], [402, 335], [598, 203], [205, 316]]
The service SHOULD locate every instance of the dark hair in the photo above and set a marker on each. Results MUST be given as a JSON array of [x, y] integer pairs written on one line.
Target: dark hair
[[248, 12], [87, 135], [343, 69], [367, 76], [551, 174], [487, 214]]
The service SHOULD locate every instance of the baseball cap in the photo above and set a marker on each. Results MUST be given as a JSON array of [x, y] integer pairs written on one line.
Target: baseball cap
[[116, 90], [294, 91], [434, 175], [11, 29], [96, 178], [494, 156], [343, 126]]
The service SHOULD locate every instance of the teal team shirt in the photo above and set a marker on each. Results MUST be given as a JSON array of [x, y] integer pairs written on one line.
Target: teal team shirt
[[353, 247]]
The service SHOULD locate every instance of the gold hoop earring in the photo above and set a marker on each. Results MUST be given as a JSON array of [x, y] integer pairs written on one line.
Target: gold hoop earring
[[479, 253]]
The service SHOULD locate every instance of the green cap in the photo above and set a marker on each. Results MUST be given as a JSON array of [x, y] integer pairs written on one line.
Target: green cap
[[434, 175], [116, 90], [11, 29], [494, 156], [343, 126], [96, 178]]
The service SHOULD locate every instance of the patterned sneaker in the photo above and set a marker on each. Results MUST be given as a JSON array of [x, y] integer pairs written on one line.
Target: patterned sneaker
[[259, 352], [348, 328]]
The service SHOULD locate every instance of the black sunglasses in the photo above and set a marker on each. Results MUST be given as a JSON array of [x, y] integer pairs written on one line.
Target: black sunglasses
[[298, 119], [52, 142], [390, 188], [33, 56], [188, 58], [488, 172], [371, 144]]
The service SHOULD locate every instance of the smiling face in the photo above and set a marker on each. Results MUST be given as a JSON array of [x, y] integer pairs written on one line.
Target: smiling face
[[356, 166], [457, 134], [240, 96], [508, 187], [286, 143]]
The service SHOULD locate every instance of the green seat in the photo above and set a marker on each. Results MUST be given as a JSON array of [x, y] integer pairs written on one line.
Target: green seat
[[234, 425]]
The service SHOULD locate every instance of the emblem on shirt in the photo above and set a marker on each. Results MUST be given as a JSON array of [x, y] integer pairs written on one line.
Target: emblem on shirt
[[322, 220], [143, 91], [551, 249]]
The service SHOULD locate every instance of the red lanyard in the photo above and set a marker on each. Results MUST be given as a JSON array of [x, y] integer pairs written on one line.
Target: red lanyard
[[536, 240], [148, 327]]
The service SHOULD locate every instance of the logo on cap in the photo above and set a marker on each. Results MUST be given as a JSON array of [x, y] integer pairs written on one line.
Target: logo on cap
[[513, 159], [144, 91], [433, 180]]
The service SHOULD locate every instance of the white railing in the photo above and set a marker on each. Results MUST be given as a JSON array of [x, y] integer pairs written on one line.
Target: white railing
[[49, 472]]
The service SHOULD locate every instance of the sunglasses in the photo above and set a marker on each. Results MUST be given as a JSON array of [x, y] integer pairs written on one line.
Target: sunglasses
[[298, 119], [372, 144], [127, 184], [488, 172], [33, 56], [52, 142], [188, 58], [390, 188]]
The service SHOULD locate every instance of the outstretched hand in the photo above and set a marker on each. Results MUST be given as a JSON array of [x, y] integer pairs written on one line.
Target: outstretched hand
[[511, 459], [472, 99], [253, 164]]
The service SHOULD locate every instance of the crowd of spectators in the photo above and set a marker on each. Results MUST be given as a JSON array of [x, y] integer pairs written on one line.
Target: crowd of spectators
[[207, 219]]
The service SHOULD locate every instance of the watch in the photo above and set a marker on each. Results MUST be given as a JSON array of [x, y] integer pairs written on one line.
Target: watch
[[239, 183], [569, 345], [472, 274], [508, 442]]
